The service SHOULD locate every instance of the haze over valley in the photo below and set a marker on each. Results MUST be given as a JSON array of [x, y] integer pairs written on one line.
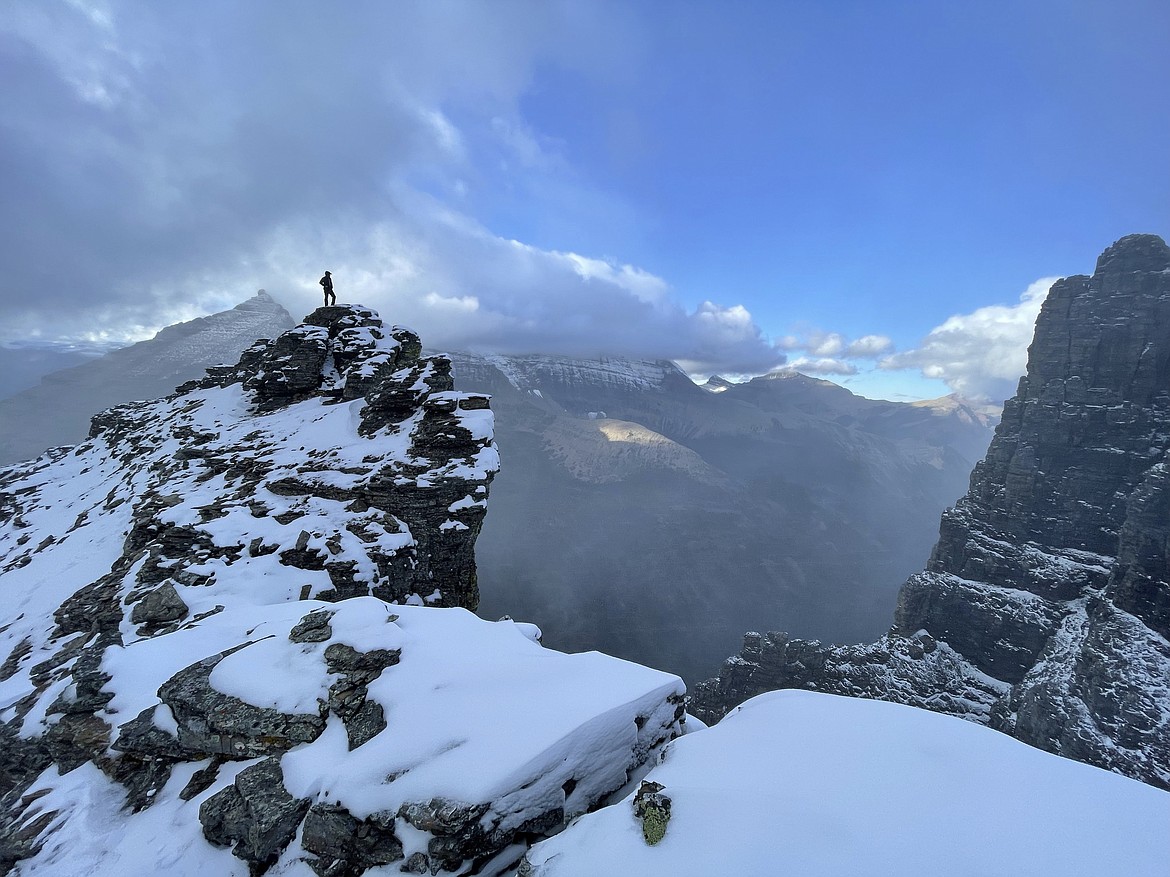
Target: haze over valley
[[590, 437]]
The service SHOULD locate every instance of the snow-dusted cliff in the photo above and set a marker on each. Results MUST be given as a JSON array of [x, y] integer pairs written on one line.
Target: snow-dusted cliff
[[235, 623], [1045, 608]]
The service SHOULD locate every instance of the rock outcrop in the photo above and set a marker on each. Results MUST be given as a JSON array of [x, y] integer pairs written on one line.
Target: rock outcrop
[[167, 623], [1044, 609]]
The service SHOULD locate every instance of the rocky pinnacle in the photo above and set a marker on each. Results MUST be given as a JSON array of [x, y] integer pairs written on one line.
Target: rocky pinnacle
[[1044, 610]]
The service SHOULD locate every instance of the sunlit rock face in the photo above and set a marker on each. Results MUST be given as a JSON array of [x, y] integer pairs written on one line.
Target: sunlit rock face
[[1045, 608]]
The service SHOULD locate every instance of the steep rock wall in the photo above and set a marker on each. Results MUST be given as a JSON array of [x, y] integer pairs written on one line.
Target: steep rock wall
[[1044, 607]]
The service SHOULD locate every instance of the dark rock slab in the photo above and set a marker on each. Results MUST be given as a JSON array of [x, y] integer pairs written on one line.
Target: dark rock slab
[[346, 846], [256, 814], [212, 723]]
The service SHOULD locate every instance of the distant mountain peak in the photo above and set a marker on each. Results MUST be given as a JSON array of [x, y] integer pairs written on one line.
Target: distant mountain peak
[[58, 410], [262, 301]]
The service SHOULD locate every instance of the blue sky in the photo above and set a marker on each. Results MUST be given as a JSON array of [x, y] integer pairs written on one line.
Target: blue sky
[[864, 191]]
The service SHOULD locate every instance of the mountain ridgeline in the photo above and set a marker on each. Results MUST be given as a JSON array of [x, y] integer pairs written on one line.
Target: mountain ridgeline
[[57, 410], [1044, 610], [654, 519], [236, 636], [638, 513]]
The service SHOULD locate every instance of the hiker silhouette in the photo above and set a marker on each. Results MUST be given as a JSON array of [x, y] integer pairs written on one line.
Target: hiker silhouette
[[327, 284]]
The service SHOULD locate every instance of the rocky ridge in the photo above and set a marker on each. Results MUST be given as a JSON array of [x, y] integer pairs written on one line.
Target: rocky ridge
[[241, 610], [1043, 611]]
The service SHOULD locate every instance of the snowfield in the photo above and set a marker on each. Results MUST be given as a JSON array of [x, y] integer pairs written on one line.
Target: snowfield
[[799, 783]]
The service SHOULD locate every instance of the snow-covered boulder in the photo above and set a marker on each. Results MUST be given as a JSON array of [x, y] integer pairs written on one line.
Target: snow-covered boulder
[[796, 782], [424, 738]]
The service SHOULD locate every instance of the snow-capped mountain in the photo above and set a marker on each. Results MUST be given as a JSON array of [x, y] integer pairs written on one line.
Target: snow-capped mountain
[[643, 515], [57, 411], [1044, 610], [225, 642]]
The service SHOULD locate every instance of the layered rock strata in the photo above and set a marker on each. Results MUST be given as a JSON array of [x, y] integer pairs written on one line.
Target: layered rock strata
[[1044, 608]]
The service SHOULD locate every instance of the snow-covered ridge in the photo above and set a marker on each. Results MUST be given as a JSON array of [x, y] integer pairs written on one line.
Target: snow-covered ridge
[[236, 635], [800, 783], [427, 739], [614, 372]]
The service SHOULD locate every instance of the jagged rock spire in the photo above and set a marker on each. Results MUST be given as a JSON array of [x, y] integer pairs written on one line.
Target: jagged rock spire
[[1044, 610]]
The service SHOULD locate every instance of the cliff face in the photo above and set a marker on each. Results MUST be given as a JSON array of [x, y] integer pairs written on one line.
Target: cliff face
[[1044, 608], [235, 635]]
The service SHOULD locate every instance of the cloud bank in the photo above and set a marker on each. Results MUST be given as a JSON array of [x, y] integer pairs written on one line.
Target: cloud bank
[[166, 160], [980, 355]]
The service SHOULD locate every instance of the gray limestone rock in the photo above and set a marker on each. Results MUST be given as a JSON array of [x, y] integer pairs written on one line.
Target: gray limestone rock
[[313, 628], [1140, 581], [215, 724], [364, 719], [256, 814], [291, 368], [346, 846], [161, 605], [1048, 592]]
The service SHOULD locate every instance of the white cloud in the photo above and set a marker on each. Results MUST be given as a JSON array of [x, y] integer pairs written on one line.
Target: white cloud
[[198, 178], [445, 134], [818, 343], [831, 353], [821, 365], [981, 354], [462, 287], [148, 177], [826, 345], [641, 284], [869, 347], [529, 149]]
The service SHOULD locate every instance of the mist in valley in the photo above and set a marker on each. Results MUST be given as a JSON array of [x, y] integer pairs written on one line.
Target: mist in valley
[[642, 515]]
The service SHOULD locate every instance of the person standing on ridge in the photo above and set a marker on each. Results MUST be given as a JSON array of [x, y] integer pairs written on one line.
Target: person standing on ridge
[[327, 284]]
